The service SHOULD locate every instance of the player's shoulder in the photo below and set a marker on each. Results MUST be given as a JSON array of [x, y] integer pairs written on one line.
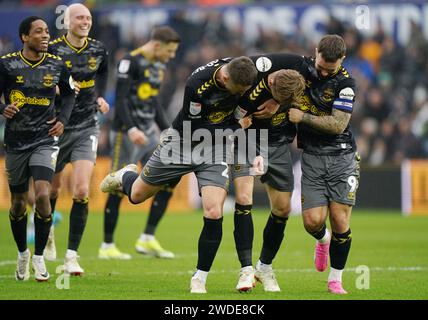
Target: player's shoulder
[[347, 85], [344, 73], [11, 55], [204, 81], [56, 42], [96, 43], [8, 60], [345, 79], [53, 57]]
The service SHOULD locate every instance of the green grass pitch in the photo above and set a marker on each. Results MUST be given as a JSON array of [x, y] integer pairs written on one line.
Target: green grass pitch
[[394, 248]]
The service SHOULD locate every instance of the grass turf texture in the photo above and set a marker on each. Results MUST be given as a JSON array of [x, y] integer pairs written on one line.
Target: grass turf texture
[[395, 249]]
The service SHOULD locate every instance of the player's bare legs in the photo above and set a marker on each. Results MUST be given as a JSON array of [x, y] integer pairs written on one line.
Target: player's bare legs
[[209, 240], [141, 191], [340, 215]]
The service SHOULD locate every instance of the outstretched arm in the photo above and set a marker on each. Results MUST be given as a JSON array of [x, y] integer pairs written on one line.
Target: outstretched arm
[[334, 124]]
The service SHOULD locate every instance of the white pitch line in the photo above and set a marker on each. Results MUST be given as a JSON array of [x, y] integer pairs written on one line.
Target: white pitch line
[[277, 270], [190, 272]]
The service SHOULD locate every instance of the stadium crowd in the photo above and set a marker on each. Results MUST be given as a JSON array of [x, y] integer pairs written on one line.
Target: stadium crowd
[[390, 117]]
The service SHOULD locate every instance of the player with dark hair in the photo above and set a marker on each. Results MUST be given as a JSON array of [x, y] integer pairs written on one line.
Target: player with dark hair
[[28, 81], [330, 163], [210, 99], [134, 136], [87, 60]]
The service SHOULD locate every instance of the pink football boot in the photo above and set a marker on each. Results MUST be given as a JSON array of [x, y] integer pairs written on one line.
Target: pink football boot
[[336, 287]]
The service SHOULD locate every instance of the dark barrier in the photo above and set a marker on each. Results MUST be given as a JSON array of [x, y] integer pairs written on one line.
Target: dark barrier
[[380, 187]]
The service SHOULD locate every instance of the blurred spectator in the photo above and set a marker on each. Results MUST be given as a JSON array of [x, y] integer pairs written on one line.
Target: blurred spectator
[[406, 145], [390, 117]]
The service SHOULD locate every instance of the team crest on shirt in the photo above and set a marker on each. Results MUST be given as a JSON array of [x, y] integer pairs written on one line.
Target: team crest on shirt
[[327, 95], [195, 108], [238, 168], [48, 80], [92, 63]]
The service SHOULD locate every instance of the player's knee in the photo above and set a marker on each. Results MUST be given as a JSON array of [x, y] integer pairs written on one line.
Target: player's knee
[[18, 207], [137, 196], [312, 223], [243, 198], [81, 192], [339, 223], [282, 209], [42, 195], [54, 193], [213, 212]]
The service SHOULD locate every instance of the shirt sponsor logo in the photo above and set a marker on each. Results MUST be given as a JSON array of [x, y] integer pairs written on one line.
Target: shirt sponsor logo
[[145, 91], [306, 105], [218, 116], [278, 118], [19, 79], [86, 84], [20, 99]]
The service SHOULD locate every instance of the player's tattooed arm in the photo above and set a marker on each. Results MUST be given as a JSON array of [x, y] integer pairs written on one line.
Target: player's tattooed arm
[[334, 124]]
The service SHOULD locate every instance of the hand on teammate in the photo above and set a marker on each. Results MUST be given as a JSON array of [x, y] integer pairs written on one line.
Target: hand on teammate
[[295, 115], [10, 110], [267, 109], [246, 122], [103, 106], [258, 166], [137, 136], [57, 129]]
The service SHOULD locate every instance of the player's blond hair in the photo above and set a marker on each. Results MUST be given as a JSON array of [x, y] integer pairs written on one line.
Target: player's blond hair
[[288, 86]]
